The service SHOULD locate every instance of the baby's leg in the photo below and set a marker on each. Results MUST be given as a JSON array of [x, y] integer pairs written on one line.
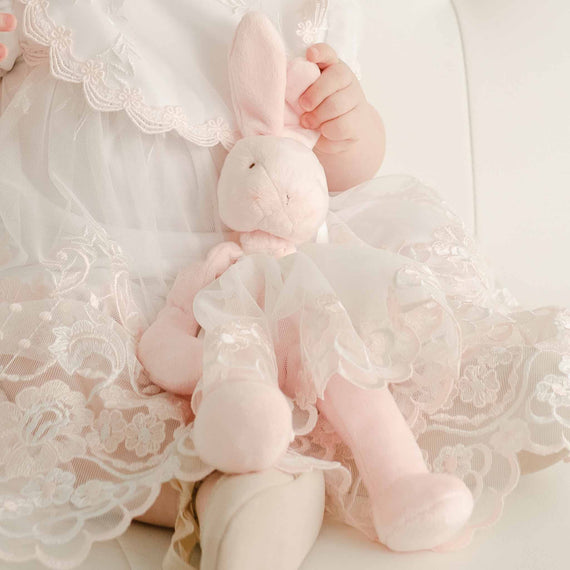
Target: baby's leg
[[532, 462], [164, 510], [412, 508]]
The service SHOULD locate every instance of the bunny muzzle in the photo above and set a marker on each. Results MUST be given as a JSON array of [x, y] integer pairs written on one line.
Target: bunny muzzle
[[275, 186]]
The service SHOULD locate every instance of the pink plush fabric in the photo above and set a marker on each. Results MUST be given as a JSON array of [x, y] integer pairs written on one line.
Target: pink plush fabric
[[271, 182], [273, 185], [300, 75], [258, 74], [413, 509], [169, 349], [266, 88]]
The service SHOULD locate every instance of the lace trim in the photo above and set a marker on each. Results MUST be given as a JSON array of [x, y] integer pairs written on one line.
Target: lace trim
[[511, 394], [92, 74], [309, 30], [86, 439], [238, 7]]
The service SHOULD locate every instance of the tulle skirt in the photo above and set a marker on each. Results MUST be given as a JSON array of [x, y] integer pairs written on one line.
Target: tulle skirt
[[401, 296], [97, 218]]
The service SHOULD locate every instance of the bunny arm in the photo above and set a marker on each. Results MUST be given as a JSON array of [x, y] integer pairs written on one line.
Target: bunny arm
[[169, 348]]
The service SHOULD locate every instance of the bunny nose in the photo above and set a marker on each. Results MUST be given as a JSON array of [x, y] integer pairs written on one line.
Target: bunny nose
[[274, 218], [272, 204]]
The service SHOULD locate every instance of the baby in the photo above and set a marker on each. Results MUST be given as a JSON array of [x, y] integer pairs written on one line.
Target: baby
[[351, 149]]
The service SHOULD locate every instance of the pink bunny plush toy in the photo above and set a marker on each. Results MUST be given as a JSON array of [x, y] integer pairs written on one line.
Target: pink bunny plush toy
[[272, 190]]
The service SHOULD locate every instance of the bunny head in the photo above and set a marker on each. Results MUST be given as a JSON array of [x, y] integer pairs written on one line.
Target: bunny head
[[271, 182]]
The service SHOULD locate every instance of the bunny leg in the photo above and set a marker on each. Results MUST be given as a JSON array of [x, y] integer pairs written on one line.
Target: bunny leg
[[170, 351], [413, 509], [242, 426], [243, 420]]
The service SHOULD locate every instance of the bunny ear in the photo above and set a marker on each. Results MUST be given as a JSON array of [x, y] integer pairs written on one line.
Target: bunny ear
[[258, 75], [300, 74]]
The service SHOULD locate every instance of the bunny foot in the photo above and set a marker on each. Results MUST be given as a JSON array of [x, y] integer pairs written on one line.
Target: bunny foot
[[243, 426], [422, 511]]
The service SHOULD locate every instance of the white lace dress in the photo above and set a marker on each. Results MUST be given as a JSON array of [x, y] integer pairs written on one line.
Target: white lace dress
[[113, 124]]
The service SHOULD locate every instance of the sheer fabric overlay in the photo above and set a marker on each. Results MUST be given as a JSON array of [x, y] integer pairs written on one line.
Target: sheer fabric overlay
[[97, 218], [86, 440], [401, 296], [98, 215], [130, 66]]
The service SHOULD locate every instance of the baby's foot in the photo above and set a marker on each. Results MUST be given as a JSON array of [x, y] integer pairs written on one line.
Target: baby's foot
[[259, 520], [164, 510], [532, 462]]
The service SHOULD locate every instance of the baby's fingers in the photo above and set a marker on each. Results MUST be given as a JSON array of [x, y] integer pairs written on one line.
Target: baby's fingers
[[345, 127], [332, 79], [325, 146], [7, 22], [323, 55], [335, 105]]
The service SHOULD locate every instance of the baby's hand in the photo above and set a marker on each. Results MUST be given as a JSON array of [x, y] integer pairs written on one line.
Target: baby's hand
[[7, 24], [335, 103], [353, 142]]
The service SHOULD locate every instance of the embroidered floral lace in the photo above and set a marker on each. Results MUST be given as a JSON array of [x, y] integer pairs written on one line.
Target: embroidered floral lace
[[86, 440]]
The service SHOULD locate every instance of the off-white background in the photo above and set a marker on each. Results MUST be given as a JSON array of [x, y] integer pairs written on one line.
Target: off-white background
[[475, 95]]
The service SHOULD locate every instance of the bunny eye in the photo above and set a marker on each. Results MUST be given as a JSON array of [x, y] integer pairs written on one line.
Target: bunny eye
[[288, 199], [251, 165]]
